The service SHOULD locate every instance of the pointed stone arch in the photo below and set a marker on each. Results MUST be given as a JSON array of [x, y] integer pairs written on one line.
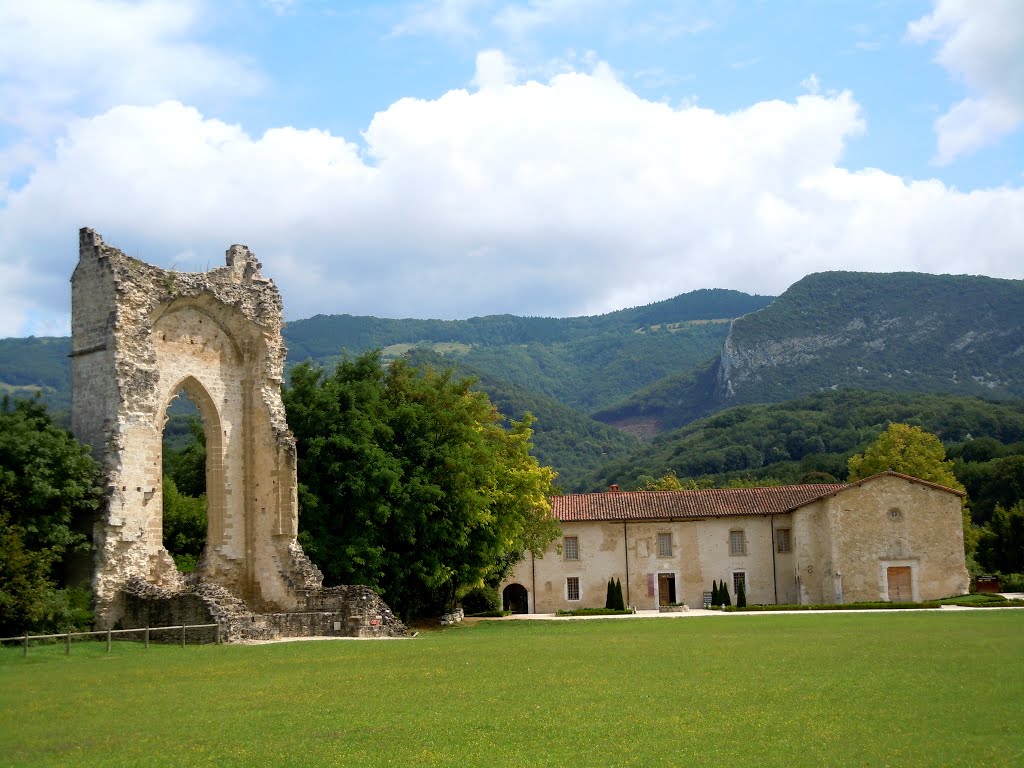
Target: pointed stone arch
[[141, 334], [216, 479]]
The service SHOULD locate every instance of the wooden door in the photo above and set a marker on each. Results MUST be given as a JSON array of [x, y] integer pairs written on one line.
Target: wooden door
[[900, 589]]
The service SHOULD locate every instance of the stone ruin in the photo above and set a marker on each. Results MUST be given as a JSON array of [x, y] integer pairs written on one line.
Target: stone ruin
[[140, 335]]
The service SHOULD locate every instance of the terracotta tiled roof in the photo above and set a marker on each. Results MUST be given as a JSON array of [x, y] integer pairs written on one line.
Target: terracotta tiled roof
[[711, 502]]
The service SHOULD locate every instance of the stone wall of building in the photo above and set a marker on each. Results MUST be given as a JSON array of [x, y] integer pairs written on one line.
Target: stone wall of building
[[140, 336]]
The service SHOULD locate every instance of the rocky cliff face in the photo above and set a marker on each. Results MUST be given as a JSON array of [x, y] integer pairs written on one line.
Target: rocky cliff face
[[904, 331]]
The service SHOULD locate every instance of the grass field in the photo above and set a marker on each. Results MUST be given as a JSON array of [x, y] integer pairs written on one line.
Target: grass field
[[898, 689]]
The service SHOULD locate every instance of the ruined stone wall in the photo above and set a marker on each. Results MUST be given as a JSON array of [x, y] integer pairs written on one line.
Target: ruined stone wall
[[141, 334]]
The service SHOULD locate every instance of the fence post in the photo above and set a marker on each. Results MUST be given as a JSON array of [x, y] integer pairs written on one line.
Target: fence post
[[108, 641], [182, 635], [147, 636], [26, 645], [67, 648]]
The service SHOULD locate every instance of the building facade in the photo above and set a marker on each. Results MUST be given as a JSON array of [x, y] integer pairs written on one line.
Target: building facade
[[888, 537]]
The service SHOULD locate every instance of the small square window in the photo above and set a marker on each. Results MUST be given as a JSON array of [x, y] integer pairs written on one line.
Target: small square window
[[572, 588], [783, 541], [571, 547], [664, 545], [737, 543]]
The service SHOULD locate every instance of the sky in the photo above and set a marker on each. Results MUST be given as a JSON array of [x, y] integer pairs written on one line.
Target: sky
[[457, 158]]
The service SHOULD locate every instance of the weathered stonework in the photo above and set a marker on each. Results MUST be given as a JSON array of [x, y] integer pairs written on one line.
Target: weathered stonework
[[140, 335]]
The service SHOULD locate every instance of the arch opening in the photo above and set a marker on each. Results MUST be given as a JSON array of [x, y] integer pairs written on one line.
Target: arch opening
[[192, 477], [515, 598]]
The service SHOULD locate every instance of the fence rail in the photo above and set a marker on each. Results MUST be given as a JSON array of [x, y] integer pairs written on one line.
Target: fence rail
[[109, 634]]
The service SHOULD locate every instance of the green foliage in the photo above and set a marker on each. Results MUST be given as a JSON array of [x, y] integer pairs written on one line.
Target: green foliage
[[716, 594], [723, 593], [1001, 547], [481, 600], [741, 595], [25, 585], [187, 465], [907, 449], [818, 434], [619, 602], [185, 525], [594, 612], [609, 599], [49, 495], [409, 482]]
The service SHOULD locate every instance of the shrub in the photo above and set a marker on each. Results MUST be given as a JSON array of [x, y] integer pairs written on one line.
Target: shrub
[[716, 596], [620, 603], [481, 600], [609, 600], [726, 599], [593, 612], [741, 595]]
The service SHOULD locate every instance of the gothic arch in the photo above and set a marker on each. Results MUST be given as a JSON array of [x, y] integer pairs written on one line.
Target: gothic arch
[[140, 335]]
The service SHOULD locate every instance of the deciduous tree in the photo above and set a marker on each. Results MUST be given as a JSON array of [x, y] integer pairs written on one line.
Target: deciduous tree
[[409, 481]]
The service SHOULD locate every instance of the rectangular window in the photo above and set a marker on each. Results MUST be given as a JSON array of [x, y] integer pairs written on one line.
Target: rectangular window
[[664, 545], [571, 547], [739, 578], [737, 543], [782, 540], [572, 588]]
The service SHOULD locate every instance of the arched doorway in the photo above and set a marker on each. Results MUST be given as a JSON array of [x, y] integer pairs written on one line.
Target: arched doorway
[[515, 598], [194, 489]]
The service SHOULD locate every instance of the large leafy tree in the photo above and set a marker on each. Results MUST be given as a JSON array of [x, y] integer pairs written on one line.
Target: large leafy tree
[[912, 451], [409, 482], [49, 495]]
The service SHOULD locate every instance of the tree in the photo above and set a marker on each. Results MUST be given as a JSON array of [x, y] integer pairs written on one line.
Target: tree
[[909, 450], [620, 603], [912, 451], [1002, 545], [49, 494], [609, 600], [724, 593], [184, 526], [410, 483], [716, 595], [741, 594]]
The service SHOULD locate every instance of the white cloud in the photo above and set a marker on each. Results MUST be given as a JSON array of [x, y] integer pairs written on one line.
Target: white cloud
[[493, 69], [981, 43], [521, 19], [445, 18], [572, 195], [78, 56]]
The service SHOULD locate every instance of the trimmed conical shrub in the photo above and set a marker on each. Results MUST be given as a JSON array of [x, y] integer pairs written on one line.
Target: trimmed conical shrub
[[609, 600], [726, 599], [741, 594], [716, 598], [620, 604]]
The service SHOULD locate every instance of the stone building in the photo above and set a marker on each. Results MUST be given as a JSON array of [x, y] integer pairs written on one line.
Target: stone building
[[887, 537], [141, 336]]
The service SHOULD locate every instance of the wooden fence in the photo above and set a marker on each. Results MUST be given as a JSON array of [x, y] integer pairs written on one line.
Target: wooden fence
[[109, 634]]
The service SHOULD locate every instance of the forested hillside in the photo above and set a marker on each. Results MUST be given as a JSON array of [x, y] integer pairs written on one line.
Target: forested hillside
[[903, 332], [789, 441], [584, 362]]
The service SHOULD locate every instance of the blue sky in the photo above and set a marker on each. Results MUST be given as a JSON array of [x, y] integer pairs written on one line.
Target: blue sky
[[451, 158]]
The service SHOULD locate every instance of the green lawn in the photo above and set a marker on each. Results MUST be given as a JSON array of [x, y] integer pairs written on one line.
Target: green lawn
[[899, 689]]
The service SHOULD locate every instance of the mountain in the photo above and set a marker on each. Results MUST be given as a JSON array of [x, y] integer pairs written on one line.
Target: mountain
[[583, 362], [904, 332], [817, 433]]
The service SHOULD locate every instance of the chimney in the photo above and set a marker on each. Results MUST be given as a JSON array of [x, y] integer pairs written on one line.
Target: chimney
[[613, 488]]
